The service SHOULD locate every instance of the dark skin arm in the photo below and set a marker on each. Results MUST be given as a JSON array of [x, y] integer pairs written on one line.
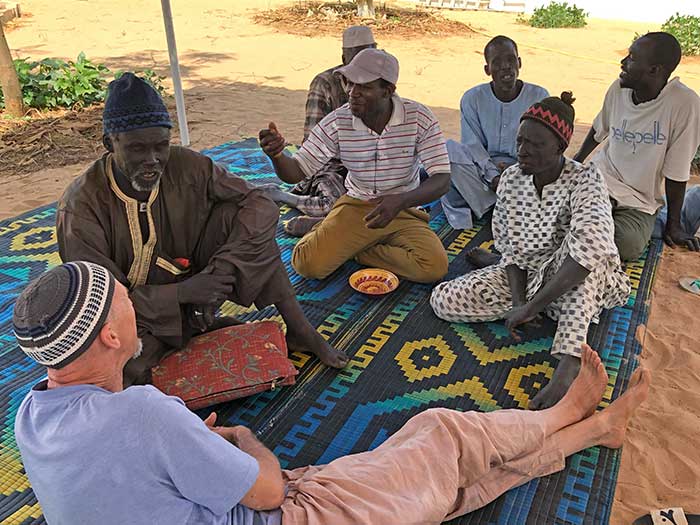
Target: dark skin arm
[[674, 234], [589, 144], [517, 279], [389, 206], [272, 143], [569, 275]]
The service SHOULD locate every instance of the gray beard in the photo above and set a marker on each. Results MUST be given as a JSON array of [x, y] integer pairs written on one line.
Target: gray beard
[[138, 350], [139, 187]]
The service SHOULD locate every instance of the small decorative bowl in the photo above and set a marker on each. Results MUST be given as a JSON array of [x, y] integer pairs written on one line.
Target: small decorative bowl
[[374, 281]]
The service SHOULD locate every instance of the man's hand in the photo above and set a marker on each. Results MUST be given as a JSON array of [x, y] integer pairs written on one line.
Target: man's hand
[[271, 141], [386, 209], [494, 183], [202, 316], [205, 289], [676, 235], [518, 315], [230, 434]]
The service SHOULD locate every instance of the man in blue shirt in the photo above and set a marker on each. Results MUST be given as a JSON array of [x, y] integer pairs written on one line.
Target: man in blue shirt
[[95, 452], [490, 118]]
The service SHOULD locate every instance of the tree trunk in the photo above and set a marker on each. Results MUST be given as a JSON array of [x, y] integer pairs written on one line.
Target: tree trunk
[[365, 8], [11, 90]]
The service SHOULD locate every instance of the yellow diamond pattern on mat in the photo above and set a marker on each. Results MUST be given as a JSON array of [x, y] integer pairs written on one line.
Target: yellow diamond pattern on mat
[[19, 241], [410, 352], [516, 375]]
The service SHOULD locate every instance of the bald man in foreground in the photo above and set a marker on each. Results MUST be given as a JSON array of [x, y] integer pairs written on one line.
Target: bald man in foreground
[[89, 445]]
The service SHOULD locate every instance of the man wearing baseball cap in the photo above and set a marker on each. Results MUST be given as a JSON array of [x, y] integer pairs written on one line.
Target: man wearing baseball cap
[[314, 196], [382, 140]]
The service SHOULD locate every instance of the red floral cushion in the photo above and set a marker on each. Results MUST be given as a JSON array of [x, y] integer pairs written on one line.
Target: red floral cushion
[[229, 363]]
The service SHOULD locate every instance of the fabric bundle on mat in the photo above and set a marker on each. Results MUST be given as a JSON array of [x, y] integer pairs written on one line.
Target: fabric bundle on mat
[[403, 360]]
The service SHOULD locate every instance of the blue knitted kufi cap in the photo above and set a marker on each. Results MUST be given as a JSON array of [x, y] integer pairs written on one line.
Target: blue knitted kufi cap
[[132, 103]]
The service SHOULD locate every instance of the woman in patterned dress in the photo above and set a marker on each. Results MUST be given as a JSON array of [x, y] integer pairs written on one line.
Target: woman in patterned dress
[[553, 226]]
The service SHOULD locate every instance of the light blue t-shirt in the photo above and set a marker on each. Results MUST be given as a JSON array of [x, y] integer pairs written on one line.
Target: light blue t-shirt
[[136, 456], [489, 126]]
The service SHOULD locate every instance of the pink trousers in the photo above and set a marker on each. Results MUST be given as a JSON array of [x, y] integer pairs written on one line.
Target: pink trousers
[[440, 465]]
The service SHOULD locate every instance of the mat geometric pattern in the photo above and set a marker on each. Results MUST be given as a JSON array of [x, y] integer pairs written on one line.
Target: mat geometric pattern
[[404, 360]]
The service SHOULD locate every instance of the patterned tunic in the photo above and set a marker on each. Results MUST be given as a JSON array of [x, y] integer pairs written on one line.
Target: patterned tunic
[[572, 218]]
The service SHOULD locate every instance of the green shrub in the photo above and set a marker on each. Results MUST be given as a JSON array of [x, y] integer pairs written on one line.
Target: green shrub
[[51, 83], [686, 28], [558, 15]]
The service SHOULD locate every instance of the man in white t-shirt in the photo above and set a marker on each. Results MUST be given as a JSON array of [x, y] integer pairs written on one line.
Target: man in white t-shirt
[[652, 127]]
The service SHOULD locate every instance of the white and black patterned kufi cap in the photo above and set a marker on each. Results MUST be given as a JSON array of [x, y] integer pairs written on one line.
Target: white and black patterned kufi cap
[[58, 315]]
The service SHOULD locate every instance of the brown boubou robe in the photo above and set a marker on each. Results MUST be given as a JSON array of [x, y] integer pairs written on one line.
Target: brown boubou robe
[[199, 213]]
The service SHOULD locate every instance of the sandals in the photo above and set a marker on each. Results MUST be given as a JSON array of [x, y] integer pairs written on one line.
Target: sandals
[[690, 284], [670, 516]]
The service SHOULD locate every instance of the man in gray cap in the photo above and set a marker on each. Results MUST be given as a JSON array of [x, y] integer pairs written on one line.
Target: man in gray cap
[[181, 232], [314, 196], [95, 452], [382, 140]]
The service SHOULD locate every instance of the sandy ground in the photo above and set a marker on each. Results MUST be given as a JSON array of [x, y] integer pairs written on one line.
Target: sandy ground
[[238, 76]]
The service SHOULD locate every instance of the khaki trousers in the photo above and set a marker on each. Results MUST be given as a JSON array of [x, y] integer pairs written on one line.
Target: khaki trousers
[[440, 465], [407, 246]]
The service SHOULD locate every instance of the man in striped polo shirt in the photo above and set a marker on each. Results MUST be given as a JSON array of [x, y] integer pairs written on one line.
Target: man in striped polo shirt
[[382, 140]]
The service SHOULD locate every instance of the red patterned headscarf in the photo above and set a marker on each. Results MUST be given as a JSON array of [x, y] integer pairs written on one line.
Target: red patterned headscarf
[[557, 113]]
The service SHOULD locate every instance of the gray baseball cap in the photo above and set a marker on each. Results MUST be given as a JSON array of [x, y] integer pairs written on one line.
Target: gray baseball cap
[[357, 36], [371, 64]]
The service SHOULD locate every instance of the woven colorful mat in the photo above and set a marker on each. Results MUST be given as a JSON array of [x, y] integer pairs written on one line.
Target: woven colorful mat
[[404, 360]]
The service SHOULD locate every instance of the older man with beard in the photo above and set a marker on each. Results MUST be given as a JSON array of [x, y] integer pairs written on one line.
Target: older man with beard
[[382, 140], [179, 231]]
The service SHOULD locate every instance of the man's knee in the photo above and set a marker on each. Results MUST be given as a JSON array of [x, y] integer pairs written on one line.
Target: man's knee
[[433, 270], [442, 300], [630, 246], [310, 263]]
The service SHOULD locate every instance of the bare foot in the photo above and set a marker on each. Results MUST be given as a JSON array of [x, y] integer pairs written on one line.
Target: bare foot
[[312, 342], [274, 192], [614, 419], [481, 258], [567, 370], [587, 390], [300, 226]]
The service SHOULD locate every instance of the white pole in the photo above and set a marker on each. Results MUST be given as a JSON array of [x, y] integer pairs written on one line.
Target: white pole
[[175, 73]]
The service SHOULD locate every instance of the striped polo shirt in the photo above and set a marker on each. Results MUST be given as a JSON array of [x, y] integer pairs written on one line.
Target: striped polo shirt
[[378, 164]]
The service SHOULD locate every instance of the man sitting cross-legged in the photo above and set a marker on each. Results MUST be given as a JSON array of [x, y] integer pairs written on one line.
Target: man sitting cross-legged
[[97, 453], [490, 114], [553, 227], [315, 195], [650, 127], [178, 230], [381, 139]]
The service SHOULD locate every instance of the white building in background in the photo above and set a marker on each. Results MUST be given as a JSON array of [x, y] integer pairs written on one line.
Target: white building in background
[[656, 11]]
